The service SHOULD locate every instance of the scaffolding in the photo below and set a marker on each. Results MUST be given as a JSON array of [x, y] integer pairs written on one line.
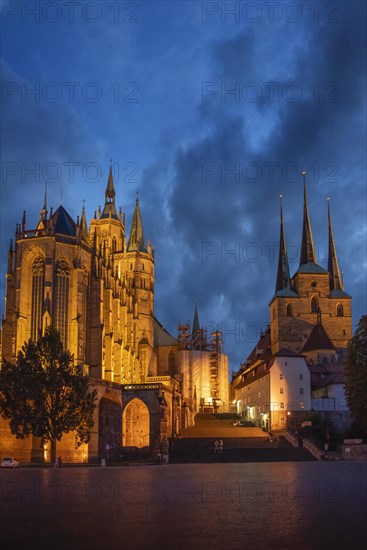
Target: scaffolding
[[184, 336], [199, 340], [215, 349]]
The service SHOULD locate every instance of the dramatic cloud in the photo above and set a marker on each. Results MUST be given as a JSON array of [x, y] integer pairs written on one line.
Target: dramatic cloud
[[210, 117]]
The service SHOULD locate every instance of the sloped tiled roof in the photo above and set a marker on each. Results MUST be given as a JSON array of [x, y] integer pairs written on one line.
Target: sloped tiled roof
[[162, 337], [318, 339], [63, 223]]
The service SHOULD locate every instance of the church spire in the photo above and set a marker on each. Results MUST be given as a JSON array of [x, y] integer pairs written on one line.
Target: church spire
[[196, 336], [196, 324], [44, 208], [137, 240], [283, 281], [336, 282], [109, 210], [83, 227], [43, 214], [307, 247]]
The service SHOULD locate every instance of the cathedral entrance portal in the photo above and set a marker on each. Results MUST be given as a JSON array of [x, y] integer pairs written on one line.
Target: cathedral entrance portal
[[136, 425]]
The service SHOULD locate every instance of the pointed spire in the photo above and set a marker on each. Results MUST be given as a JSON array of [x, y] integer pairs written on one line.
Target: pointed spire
[[83, 227], [307, 247], [42, 224], [23, 222], [10, 257], [336, 282], [196, 324], [283, 281], [197, 335], [137, 240], [109, 209]]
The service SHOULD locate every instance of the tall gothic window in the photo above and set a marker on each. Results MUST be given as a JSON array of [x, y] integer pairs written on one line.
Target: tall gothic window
[[61, 299], [314, 305], [289, 310], [339, 310], [38, 271]]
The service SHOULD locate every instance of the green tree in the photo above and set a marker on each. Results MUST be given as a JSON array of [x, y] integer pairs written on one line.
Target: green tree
[[44, 394], [356, 374]]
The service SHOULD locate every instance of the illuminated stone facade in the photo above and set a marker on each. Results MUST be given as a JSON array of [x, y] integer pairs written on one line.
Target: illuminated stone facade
[[96, 286], [310, 326]]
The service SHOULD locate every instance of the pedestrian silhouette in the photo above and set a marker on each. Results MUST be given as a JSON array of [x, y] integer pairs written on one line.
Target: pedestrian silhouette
[[216, 446], [221, 445]]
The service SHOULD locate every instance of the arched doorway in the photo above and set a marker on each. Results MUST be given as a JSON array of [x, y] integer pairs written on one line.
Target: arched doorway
[[109, 433], [136, 424]]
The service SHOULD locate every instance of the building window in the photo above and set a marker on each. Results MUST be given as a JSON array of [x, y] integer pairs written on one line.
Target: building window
[[281, 405], [314, 305], [282, 421], [301, 376], [281, 390], [281, 376], [301, 390], [38, 271], [289, 310], [285, 363], [339, 310], [61, 299]]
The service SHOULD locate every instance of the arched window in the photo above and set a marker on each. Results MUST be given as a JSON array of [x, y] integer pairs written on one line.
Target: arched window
[[314, 305], [114, 244], [289, 310], [339, 310], [38, 271], [61, 299]]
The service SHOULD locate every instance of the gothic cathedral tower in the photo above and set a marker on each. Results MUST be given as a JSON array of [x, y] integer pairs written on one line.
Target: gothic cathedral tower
[[312, 296], [95, 289]]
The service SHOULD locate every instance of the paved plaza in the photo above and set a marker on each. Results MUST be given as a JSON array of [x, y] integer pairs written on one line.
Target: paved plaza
[[262, 506]]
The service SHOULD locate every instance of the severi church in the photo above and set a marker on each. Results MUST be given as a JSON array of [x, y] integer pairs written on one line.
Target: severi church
[[297, 365], [95, 285]]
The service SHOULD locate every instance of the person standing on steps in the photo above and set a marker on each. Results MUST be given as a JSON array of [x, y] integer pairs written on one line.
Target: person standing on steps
[[216, 446], [221, 446], [165, 450]]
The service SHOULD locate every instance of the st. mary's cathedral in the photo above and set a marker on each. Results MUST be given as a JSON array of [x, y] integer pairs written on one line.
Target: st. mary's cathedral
[[95, 285]]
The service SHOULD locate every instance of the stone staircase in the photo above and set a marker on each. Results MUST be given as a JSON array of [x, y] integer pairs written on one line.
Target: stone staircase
[[241, 443]]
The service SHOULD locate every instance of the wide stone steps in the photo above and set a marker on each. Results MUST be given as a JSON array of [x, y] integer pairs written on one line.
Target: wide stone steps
[[240, 450]]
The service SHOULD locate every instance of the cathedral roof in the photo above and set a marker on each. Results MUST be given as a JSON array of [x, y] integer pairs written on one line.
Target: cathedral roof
[[318, 339], [63, 223], [311, 267], [338, 293], [162, 337]]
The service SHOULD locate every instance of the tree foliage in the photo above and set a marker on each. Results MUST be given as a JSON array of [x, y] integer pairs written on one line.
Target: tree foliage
[[44, 394], [356, 374]]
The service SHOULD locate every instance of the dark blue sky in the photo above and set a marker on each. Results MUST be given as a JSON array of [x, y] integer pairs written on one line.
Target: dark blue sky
[[210, 115]]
